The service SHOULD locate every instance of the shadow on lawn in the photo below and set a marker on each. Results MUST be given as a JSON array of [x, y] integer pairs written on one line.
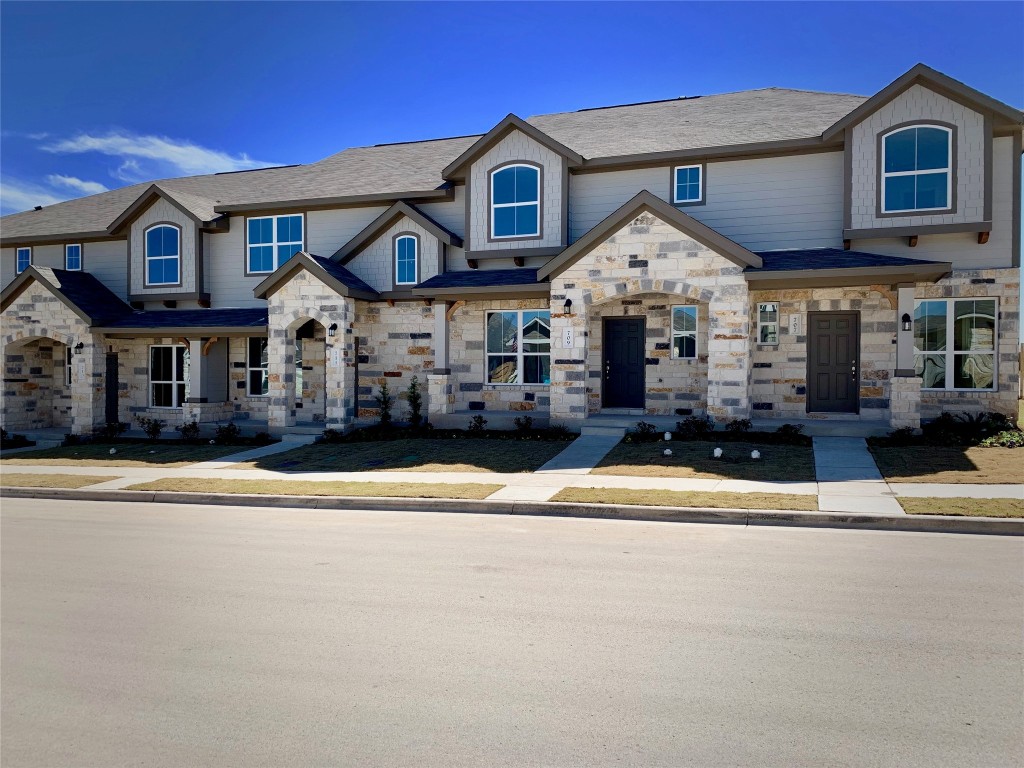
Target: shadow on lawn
[[695, 458]]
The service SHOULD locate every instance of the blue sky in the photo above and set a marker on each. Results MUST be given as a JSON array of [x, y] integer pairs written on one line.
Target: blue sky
[[98, 95]]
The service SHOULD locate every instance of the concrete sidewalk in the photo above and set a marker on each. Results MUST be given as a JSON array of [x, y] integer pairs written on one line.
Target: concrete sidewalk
[[849, 480]]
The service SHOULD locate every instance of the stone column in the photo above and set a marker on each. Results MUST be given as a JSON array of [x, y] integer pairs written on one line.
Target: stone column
[[729, 353], [340, 366], [905, 402], [440, 395], [280, 377], [905, 339], [568, 357], [88, 388]]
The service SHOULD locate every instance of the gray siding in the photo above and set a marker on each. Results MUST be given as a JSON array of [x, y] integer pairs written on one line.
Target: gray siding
[[108, 261], [228, 284]]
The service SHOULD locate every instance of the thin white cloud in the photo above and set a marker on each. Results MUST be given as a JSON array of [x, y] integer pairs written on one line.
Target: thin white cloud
[[72, 182], [129, 171], [17, 195], [183, 156]]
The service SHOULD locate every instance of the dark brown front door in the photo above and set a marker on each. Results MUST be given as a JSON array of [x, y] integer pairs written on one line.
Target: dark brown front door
[[833, 362], [623, 363]]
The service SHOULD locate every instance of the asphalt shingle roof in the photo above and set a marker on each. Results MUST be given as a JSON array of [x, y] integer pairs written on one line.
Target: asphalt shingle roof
[[246, 317], [481, 278], [342, 275], [85, 292], [828, 258]]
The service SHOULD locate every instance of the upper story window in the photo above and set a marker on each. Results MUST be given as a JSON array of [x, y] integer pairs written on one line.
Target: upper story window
[[24, 259], [917, 165], [73, 258], [163, 255], [272, 240], [515, 201], [406, 255], [688, 184]]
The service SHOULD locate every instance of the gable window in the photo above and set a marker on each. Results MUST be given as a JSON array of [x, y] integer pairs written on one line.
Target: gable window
[[687, 184], [163, 255], [24, 259], [955, 343], [684, 332], [917, 167], [168, 375], [519, 347], [272, 240], [258, 363], [515, 201], [406, 255], [73, 258]]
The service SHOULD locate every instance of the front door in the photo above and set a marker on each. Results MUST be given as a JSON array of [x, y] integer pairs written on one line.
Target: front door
[[833, 362], [623, 363]]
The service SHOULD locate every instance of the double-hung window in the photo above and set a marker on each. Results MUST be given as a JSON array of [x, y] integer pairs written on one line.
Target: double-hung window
[[406, 255], [519, 347], [515, 201], [684, 332], [917, 167], [163, 255], [168, 375], [24, 259], [687, 184], [257, 366], [73, 258], [955, 343], [272, 240]]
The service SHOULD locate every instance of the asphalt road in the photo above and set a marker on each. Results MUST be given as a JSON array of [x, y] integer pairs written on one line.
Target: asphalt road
[[165, 635]]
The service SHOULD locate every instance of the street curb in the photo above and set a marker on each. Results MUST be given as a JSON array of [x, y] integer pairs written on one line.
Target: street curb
[[919, 523]]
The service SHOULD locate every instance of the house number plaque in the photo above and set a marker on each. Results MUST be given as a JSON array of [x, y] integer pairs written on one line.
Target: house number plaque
[[567, 339]]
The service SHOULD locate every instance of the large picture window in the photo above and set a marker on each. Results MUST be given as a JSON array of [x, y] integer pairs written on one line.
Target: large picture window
[[163, 255], [406, 254], [257, 366], [684, 332], [515, 201], [519, 347], [168, 375], [955, 343], [272, 240], [917, 169]]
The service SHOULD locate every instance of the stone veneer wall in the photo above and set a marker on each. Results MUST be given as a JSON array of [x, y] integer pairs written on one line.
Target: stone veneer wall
[[35, 394], [133, 383], [779, 383], [673, 387], [1003, 284], [244, 407], [650, 256]]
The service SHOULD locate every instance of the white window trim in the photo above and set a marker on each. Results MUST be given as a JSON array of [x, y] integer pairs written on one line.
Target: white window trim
[[17, 259], [274, 243], [700, 184], [495, 206], [172, 382], [520, 354], [695, 332], [415, 258], [145, 247], [949, 355], [948, 170], [79, 247], [249, 367], [763, 323]]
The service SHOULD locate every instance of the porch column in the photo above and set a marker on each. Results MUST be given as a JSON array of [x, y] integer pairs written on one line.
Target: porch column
[[280, 377], [729, 353], [340, 366], [568, 357], [905, 386], [440, 396], [207, 384], [87, 385]]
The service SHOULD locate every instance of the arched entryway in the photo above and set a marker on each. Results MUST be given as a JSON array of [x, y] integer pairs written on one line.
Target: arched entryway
[[310, 369], [39, 373]]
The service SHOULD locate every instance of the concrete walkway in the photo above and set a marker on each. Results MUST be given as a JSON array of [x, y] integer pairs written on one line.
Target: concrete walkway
[[849, 480]]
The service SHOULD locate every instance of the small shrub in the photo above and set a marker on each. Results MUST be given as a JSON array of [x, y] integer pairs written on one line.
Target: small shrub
[[9, 440], [902, 436], [189, 431], [695, 427], [523, 423], [739, 426], [559, 432], [385, 400], [643, 432], [111, 431], [415, 399], [332, 436], [152, 427], [262, 438], [71, 439], [1010, 438], [791, 434], [227, 434], [477, 424]]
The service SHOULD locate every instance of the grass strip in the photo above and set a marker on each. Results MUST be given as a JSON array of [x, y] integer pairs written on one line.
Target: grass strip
[[962, 507], [125, 455], [712, 500], [26, 480], [696, 459], [943, 464], [325, 488]]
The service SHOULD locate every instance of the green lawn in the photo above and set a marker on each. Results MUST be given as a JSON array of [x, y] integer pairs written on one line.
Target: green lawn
[[415, 455], [127, 455], [962, 507], [694, 458], [327, 488], [936, 464], [31, 480], [716, 500]]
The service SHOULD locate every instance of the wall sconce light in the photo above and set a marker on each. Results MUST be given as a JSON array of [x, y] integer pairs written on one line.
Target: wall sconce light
[[567, 307], [79, 347], [332, 329], [906, 322]]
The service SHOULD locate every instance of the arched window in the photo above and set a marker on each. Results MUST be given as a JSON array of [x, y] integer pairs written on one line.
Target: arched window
[[515, 201], [917, 165], [163, 255], [406, 256]]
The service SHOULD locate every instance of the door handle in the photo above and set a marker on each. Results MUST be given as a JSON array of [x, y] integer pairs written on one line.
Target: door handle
[[607, 368], [853, 369]]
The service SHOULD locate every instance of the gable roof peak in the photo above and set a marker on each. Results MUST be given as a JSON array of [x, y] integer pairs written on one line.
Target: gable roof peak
[[371, 231]]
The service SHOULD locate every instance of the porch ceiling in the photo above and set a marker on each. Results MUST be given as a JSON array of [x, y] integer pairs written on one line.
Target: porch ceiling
[[835, 267]]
